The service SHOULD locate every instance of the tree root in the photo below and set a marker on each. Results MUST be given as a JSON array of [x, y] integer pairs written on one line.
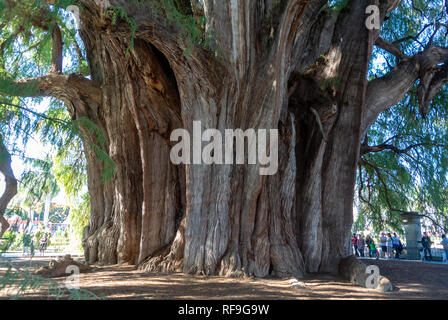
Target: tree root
[[58, 268]]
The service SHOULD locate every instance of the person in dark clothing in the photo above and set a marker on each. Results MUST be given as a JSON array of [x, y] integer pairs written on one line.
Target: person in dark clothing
[[426, 243]]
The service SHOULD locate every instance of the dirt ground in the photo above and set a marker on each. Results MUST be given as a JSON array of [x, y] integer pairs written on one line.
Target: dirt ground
[[414, 280]]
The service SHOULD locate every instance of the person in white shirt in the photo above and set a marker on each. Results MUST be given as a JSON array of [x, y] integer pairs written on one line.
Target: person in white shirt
[[444, 243], [383, 241], [390, 246]]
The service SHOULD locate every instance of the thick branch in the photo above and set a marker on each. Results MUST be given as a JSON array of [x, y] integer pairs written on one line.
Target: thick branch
[[430, 86], [387, 6], [62, 87], [10, 185], [389, 47], [57, 50], [387, 91]]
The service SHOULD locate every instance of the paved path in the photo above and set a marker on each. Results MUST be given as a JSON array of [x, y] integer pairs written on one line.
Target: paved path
[[37, 254], [416, 261]]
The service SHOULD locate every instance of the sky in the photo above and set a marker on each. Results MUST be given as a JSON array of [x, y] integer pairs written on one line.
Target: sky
[[34, 149]]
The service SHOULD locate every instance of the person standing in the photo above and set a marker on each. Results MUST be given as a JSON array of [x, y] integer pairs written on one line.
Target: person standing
[[390, 246], [396, 245], [383, 241], [355, 244], [361, 244], [444, 243], [43, 244], [373, 251], [369, 241], [426, 243]]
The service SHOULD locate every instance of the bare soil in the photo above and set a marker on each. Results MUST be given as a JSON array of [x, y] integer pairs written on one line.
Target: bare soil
[[414, 280]]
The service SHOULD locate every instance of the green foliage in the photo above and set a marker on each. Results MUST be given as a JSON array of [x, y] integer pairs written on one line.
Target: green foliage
[[109, 166], [8, 239], [415, 179], [79, 218], [58, 214]]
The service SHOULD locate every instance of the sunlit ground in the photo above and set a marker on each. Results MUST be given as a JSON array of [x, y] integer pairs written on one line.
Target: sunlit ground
[[413, 281]]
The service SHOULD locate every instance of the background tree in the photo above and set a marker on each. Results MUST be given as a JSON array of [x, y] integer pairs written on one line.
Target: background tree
[[403, 166], [153, 66]]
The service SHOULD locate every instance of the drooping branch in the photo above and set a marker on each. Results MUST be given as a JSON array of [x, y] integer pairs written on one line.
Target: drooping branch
[[387, 197], [10, 185], [383, 183], [435, 222]]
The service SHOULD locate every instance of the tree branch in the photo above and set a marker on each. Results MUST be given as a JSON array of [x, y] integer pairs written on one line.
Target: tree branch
[[372, 149], [40, 115], [389, 47], [430, 86], [62, 87], [10, 185], [386, 193], [57, 50], [387, 6], [387, 91]]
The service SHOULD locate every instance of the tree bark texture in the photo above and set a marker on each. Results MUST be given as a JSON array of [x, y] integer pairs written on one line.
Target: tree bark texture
[[10, 185]]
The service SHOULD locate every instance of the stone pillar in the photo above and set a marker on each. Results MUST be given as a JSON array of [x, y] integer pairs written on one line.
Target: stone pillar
[[412, 229]]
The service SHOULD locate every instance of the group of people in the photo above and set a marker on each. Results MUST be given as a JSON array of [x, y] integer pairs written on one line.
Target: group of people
[[391, 246]]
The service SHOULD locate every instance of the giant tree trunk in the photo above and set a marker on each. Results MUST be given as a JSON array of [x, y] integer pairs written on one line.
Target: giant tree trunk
[[287, 65]]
